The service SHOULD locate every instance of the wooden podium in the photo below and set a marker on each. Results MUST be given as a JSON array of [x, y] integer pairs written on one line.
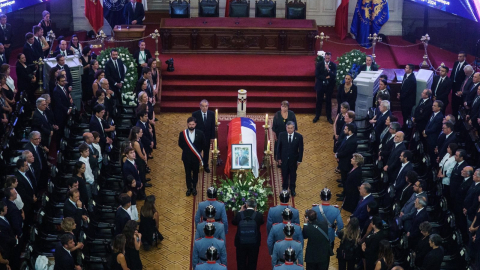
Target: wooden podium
[[128, 32]]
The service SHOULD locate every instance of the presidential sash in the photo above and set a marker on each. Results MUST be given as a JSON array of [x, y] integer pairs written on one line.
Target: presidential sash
[[192, 147]]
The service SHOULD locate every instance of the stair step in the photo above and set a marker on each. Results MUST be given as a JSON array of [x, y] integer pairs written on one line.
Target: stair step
[[228, 94], [266, 83], [230, 106]]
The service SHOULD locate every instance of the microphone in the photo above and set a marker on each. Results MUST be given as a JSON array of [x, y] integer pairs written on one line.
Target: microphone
[[128, 19]]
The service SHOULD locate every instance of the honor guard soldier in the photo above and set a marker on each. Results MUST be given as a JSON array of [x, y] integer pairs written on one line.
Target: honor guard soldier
[[221, 214], [202, 244], [219, 229], [288, 242], [277, 230], [211, 263], [275, 212], [330, 213], [290, 259]]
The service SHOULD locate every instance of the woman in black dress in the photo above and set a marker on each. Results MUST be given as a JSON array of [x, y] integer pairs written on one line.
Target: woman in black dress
[[106, 101], [338, 124], [10, 89], [76, 47], [385, 256], [349, 250], [135, 136], [354, 180], [149, 220], [423, 246], [86, 59], [7, 92], [280, 120], [367, 227], [156, 79], [347, 92], [46, 23], [78, 175], [132, 245], [25, 76], [117, 261], [99, 74]]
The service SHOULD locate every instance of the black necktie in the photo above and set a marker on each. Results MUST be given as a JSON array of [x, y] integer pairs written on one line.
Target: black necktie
[[44, 115], [455, 167], [38, 155], [439, 82], [290, 138], [204, 117]]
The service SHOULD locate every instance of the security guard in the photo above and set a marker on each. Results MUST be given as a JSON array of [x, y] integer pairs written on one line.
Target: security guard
[[211, 263], [328, 212], [277, 230], [290, 259], [275, 212], [221, 214], [210, 212], [281, 245], [202, 244]]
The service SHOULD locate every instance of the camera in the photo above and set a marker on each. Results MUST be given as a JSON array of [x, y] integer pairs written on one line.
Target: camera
[[170, 67]]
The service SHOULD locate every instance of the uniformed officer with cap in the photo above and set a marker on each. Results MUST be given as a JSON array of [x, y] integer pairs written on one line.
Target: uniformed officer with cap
[[275, 212], [290, 259], [211, 263], [330, 213], [288, 242], [201, 245], [277, 230], [221, 214], [210, 212]]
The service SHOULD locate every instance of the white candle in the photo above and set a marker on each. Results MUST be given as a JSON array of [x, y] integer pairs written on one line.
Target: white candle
[[215, 144], [266, 119], [268, 145], [216, 116]]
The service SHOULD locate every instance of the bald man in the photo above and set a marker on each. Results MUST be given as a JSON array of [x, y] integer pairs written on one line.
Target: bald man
[[393, 162]]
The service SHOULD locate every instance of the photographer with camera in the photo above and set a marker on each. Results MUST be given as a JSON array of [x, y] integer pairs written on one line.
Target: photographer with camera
[[318, 252]]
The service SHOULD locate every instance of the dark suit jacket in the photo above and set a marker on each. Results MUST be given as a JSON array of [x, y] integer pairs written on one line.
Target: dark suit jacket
[[147, 137], [7, 237], [433, 128], [415, 228], [57, 52], [26, 192], [422, 114], [404, 195], [441, 93], [433, 260], [40, 163], [443, 142], [457, 78], [24, 81], [129, 169], [37, 46], [320, 75], [68, 73], [461, 193], [465, 88], [408, 91], [345, 151], [95, 126], [333, 75], [393, 161], [292, 151], [371, 252], [471, 201], [63, 260], [30, 53], [136, 55], [3, 59], [113, 76], [380, 124], [41, 124], [373, 67], [121, 218], [208, 127], [316, 241], [258, 219], [361, 211], [61, 104], [199, 144], [6, 36], [387, 145], [400, 182], [70, 210], [475, 111], [134, 15], [471, 92], [14, 216], [354, 180]]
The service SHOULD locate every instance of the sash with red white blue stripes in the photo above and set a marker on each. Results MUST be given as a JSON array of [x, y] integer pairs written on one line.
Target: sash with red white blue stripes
[[191, 146]]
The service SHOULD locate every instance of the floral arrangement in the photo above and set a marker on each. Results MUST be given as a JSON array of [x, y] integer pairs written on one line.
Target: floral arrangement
[[243, 186], [320, 56], [128, 89], [349, 63]]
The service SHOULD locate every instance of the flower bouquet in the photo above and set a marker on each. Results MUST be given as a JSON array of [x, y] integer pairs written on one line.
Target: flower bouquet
[[349, 63], [243, 186]]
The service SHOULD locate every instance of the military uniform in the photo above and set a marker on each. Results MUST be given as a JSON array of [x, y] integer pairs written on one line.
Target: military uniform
[[200, 248], [210, 266], [220, 215], [277, 234], [278, 255], [219, 230], [275, 215], [332, 213], [288, 266]]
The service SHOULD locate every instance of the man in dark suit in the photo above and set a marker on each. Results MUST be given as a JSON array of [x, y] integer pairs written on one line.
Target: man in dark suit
[[327, 90], [421, 215], [192, 142], [399, 183], [130, 168], [31, 173], [37, 33], [98, 124], [470, 204], [247, 254], [40, 166], [122, 216], [146, 74], [29, 50], [26, 188], [62, 102], [73, 208], [62, 49], [441, 87], [6, 35], [93, 153], [408, 93], [63, 257], [467, 84], [473, 115], [134, 13], [433, 128], [456, 177], [382, 118], [393, 163], [62, 66], [457, 76], [312, 230], [141, 57], [14, 216], [40, 122], [289, 155], [388, 142], [8, 240], [444, 139], [457, 205], [369, 64], [345, 151], [3, 57], [423, 111], [205, 123], [361, 212], [147, 139], [115, 73]]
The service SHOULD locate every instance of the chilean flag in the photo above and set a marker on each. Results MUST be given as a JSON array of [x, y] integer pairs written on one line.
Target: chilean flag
[[242, 129]]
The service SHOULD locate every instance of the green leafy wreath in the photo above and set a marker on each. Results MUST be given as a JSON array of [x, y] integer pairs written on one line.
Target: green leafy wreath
[[128, 89], [349, 63]]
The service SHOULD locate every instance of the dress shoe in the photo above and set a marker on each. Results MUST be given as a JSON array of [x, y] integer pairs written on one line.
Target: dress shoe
[[206, 169], [156, 120], [279, 166], [189, 192], [340, 185], [148, 185], [339, 180], [293, 193], [141, 197], [194, 192], [315, 119], [148, 179], [150, 157], [330, 121], [340, 199], [340, 195]]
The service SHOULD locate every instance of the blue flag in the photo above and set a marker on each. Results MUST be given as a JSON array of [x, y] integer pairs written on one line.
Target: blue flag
[[113, 11], [368, 18]]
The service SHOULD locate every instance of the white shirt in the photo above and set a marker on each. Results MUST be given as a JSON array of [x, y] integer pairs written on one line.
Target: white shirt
[[63, 52], [11, 83], [100, 120], [418, 210], [348, 137], [18, 201], [99, 149], [396, 144], [191, 135], [447, 135], [74, 204], [434, 115], [142, 57], [446, 165], [88, 171], [131, 161], [4, 218], [366, 196]]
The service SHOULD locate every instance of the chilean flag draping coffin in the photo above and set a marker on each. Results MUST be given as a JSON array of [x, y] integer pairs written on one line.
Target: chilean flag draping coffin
[[244, 129]]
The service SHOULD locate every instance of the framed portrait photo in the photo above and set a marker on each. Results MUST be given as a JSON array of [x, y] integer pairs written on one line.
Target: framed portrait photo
[[241, 156]]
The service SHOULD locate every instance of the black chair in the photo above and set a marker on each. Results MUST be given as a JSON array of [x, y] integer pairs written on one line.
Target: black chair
[[208, 8], [239, 8], [295, 10], [265, 9], [179, 9]]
